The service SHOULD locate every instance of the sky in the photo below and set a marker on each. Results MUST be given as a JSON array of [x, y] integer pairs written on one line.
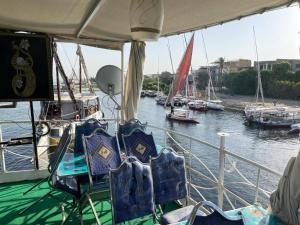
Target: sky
[[277, 35]]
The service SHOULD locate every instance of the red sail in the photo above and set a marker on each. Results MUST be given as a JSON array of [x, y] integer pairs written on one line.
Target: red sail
[[182, 70]]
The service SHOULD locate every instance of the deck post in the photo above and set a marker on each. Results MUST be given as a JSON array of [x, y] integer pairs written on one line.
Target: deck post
[[2, 157], [122, 86], [257, 186], [190, 168], [35, 150], [221, 168]]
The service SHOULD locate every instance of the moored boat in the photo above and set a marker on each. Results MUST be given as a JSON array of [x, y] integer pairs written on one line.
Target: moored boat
[[198, 105], [181, 115], [215, 105], [295, 128]]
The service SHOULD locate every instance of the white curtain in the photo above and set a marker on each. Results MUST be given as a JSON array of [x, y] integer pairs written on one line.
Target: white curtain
[[134, 80]]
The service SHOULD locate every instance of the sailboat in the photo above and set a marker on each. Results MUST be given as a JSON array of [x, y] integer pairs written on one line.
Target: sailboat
[[66, 106], [253, 111], [181, 115], [212, 103], [271, 116]]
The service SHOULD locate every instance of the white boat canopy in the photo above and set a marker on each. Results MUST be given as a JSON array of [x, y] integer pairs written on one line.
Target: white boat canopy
[[106, 23]]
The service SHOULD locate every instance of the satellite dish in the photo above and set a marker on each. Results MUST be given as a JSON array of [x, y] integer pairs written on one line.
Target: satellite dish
[[108, 79]]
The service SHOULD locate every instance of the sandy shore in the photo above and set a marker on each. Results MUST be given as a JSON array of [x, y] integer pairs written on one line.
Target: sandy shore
[[238, 102]]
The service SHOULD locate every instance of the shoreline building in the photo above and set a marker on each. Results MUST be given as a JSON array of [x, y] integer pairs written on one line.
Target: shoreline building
[[268, 65], [236, 65]]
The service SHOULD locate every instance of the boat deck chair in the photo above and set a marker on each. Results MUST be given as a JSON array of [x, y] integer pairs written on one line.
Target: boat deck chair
[[86, 129], [170, 184], [102, 154], [216, 217], [139, 144], [56, 183], [127, 127], [131, 191]]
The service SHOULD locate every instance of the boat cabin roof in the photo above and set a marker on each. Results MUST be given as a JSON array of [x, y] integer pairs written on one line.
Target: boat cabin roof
[[79, 97]]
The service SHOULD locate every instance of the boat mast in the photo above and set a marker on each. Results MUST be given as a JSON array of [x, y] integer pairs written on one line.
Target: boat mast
[[259, 88], [207, 66], [82, 62], [157, 76], [171, 60], [80, 77]]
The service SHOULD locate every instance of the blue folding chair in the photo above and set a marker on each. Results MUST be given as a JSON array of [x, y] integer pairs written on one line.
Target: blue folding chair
[[139, 144], [170, 184], [56, 183], [86, 129], [102, 154], [131, 191], [215, 218], [128, 127]]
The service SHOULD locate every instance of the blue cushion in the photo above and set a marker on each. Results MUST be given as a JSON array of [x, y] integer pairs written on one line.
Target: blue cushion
[[103, 152], [131, 191], [216, 218], [127, 128], [169, 177], [140, 145], [86, 129]]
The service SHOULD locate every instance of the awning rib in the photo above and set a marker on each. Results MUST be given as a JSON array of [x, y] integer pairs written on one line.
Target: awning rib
[[90, 16]]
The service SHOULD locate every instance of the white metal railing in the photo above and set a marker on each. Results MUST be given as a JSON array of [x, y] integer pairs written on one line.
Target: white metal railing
[[20, 123], [216, 182]]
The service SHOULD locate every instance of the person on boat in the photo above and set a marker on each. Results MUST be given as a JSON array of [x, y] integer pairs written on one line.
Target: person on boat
[[172, 109]]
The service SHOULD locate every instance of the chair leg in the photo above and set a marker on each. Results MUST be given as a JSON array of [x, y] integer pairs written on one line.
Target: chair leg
[[93, 208], [80, 213], [34, 186], [63, 212], [66, 219], [34, 203]]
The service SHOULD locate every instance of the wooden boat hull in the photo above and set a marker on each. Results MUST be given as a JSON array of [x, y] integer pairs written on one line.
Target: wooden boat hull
[[181, 119], [275, 125], [199, 109]]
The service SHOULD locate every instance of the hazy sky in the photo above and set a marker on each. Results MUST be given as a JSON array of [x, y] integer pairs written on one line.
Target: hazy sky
[[277, 34]]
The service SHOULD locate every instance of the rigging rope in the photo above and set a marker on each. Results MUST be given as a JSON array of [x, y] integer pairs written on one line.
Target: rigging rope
[[210, 84], [170, 55]]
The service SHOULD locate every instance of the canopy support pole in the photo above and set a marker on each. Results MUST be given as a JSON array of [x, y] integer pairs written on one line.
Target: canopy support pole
[[122, 84], [36, 156]]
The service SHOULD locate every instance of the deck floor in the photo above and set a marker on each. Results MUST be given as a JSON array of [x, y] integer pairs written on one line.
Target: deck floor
[[48, 210]]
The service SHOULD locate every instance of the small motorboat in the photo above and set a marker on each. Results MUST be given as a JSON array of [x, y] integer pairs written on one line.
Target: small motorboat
[[215, 105], [269, 123], [198, 105], [295, 128], [181, 115]]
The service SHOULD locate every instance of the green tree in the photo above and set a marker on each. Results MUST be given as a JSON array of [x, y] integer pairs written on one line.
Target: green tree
[[166, 77], [281, 69], [201, 79]]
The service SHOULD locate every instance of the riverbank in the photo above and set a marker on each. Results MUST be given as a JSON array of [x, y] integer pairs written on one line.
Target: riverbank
[[238, 102]]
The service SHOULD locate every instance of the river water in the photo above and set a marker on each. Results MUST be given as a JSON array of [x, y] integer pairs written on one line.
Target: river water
[[271, 148]]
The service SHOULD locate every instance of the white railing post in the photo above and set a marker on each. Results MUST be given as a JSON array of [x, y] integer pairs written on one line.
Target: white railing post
[[190, 168], [2, 157], [221, 169], [257, 186]]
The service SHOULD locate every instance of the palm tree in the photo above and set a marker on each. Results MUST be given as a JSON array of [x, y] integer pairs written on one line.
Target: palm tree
[[220, 62]]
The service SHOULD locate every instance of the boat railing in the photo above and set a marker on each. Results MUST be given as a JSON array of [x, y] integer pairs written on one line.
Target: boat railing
[[214, 172], [24, 157], [203, 179]]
